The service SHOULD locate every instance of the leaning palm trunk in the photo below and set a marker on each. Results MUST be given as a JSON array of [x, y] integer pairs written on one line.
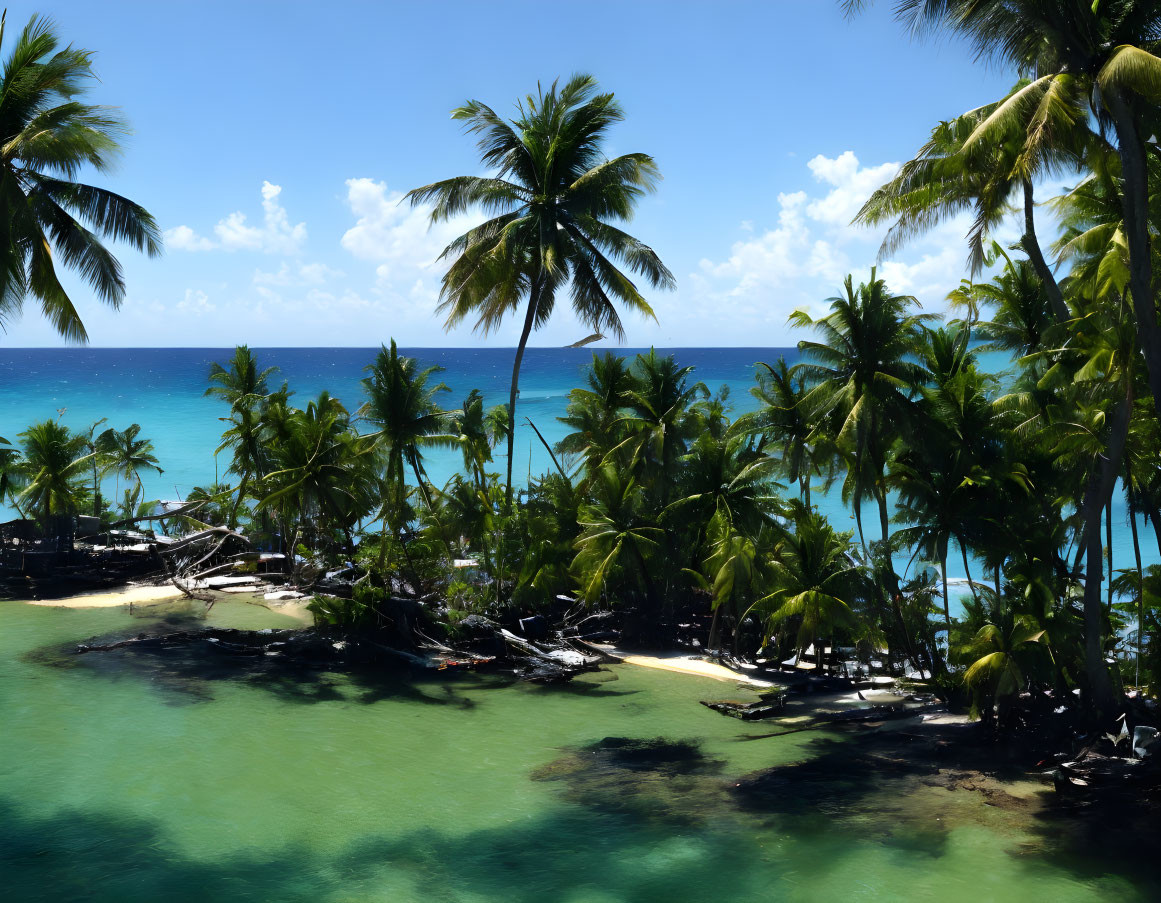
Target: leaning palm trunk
[[529, 319], [1032, 248]]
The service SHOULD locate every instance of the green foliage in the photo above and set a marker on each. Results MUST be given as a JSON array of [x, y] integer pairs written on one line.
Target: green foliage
[[49, 135]]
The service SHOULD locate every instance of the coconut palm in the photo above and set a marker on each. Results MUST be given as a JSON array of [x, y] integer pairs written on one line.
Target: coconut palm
[[11, 474], [618, 538], [401, 406], [954, 173], [241, 384], [862, 378], [54, 465], [127, 454], [660, 419], [554, 198], [246, 389], [49, 135], [783, 423], [594, 413], [322, 476], [815, 581], [1080, 57]]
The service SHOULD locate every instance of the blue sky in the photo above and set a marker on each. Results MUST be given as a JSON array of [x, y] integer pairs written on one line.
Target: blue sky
[[272, 140]]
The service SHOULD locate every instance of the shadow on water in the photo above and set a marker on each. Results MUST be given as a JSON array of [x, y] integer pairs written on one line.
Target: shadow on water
[[76, 855], [643, 820]]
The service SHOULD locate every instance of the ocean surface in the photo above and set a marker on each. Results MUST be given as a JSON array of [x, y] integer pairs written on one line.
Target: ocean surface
[[163, 389]]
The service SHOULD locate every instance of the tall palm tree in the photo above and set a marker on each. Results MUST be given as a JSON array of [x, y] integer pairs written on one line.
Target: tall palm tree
[[863, 378], [555, 198], [1080, 57], [49, 136], [54, 464]]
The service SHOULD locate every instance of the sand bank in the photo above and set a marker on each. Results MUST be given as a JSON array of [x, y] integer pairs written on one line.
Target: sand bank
[[686, 664], [133, 595]]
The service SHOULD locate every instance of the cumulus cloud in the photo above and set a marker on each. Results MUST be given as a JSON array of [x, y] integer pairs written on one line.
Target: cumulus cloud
[[275, 235], [183, 238], [802, 258], [395, 235]]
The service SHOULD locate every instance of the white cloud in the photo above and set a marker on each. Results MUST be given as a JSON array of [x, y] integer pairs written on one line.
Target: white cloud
[[394, 234], [196, 302], [275, 236], [183, 238], [801, 259], [852, 185]]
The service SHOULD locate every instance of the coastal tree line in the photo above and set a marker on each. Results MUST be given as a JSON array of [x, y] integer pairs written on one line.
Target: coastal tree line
[[659, 498]]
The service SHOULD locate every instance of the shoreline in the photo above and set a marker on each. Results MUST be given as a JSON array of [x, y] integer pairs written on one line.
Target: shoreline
[[148, 595]]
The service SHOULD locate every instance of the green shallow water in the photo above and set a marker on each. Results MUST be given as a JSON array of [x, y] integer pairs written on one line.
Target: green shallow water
[[121, 783]]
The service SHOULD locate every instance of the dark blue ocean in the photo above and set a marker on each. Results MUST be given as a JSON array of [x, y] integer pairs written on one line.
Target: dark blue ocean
[[163, 390]]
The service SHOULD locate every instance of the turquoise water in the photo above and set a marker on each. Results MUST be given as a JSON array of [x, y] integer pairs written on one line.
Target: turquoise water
[[163, 390], [123, 783]]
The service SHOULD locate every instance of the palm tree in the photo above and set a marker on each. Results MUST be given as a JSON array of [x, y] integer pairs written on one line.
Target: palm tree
[[48, 136], [1081, 58], [555, 199], [96, 445], [322, 471], [54, 463], [617, 538], [783, 422], [246, 389], [815, 581], [660, 419], [127, 455], [862, 379], [594, 413], [470, 426], [401, 406], [12, 475]]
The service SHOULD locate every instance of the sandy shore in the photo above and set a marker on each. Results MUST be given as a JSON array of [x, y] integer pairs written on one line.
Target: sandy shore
[[149, 595], [686, 664], [133, 595]]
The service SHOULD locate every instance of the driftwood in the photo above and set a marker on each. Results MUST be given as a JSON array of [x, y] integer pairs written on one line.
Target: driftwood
[[750, 711]]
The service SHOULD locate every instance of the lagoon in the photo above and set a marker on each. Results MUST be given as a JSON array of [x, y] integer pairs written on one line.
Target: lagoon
[[124, 783]]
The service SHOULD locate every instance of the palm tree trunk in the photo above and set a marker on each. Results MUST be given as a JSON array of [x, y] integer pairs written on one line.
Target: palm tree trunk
[[1109, 549], [858, 506], [1032, 249], [1135, 204], [943, 581], [232, 521], [529, 319], [1140, 586], [967, 571], [1102, 480], [806, 490]]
